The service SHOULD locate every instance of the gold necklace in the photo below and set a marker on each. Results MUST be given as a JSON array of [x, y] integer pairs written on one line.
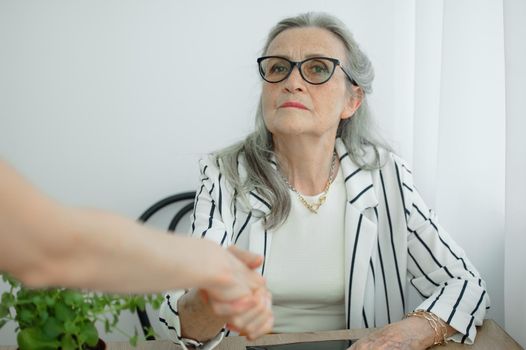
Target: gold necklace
[[313, 207]]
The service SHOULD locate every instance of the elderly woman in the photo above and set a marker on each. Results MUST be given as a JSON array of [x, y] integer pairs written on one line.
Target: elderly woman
[[335, 214]]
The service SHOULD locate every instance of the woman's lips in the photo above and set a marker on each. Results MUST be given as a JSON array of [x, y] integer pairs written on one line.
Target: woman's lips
[[292, 104]]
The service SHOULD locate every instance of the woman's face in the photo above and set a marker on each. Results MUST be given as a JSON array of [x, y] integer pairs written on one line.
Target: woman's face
[[321, 106]]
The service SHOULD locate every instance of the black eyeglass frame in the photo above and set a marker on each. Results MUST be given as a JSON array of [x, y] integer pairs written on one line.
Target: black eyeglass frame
[[298, 64]]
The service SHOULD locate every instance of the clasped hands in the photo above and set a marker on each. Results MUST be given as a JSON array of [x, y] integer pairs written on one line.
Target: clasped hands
[[243, 300]]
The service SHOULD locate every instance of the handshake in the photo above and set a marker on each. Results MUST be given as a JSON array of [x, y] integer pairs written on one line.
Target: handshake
[[235, 294]]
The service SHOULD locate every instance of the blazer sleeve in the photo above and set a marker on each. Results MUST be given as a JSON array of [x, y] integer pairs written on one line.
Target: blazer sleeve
[[207, 222], [439, 269]]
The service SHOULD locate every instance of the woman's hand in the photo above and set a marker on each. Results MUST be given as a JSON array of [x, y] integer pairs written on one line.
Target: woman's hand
[[237, 278], [253, 321], [250, 315], [237, 297], [412, 333]]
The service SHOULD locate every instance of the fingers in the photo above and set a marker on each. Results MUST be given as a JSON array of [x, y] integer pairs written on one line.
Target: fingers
[[254, 280], [242, 298], [256, 321], [229, 309], [251, 260], [240, 286], [242, 320], [259, 327], [251, 316], [237, 280], [265, 329]]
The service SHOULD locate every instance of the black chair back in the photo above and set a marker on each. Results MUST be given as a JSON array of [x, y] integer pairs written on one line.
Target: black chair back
[[148, 213]]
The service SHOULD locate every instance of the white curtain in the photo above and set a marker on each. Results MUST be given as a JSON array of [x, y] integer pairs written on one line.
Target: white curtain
[[515, 257], [466, 124]]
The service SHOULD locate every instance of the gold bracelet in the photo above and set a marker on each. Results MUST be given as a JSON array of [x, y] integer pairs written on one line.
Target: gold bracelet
[[435, 323]]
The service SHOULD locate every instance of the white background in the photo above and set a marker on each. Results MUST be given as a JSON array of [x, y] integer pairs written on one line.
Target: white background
[[111, 103]]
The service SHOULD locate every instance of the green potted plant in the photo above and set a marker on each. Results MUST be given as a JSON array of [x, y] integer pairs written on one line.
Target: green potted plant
[[65, 319]]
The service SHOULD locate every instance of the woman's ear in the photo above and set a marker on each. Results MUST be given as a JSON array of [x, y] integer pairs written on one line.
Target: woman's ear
[[354, 102]]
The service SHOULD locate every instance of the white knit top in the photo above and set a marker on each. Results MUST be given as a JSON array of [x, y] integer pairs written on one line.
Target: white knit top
[[305, 266]]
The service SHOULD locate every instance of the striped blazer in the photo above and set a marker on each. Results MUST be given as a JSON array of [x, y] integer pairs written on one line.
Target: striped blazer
[[392, 242]]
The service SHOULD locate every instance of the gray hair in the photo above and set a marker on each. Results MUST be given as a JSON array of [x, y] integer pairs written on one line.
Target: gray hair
[[256, 150]]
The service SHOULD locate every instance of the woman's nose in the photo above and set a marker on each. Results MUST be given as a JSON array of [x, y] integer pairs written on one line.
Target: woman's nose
[[295, 81]]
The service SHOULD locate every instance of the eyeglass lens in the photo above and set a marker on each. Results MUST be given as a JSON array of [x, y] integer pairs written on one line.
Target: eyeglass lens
[[313, 70]]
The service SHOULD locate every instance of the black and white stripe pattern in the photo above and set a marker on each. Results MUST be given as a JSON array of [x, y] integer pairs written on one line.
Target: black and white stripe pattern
[[394, 241]]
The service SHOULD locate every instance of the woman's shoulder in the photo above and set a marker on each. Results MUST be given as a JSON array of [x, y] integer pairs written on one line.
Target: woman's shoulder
[[218, 167], [217, 161], [377, 157], [230, 156], [209, 162], [395, 159], [394, 168]]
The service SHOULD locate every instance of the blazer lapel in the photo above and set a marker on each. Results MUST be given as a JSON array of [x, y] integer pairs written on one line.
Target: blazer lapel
[[360, 234], [358, 182]]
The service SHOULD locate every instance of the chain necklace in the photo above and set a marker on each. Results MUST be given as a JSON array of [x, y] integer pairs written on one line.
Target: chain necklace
[[313, 207]]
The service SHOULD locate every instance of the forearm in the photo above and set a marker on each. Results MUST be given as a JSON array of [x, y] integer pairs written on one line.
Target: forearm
[[43, 243], [198, 321], [110, 253]]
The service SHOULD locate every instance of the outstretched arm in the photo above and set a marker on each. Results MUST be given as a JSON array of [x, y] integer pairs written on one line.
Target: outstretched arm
[[43, 243]]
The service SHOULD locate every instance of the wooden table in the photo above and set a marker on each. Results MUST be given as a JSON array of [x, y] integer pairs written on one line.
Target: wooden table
[[490, 337]]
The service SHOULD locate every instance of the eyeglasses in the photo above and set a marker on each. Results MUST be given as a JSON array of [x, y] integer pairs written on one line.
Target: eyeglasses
[[314, 70]]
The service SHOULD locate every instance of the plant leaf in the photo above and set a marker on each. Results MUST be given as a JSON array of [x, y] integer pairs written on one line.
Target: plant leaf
[[63, 312], [72, 298], [50, 301], [33, 339], [71, 328], [156, 301], [150, 332], [53, 328], [90, 333], [68, 343], [8, 299], [43, 315], [25, 316], [115, 319], [133, 340], [141, 303], [10, 280], [4, 311], [37, 299]]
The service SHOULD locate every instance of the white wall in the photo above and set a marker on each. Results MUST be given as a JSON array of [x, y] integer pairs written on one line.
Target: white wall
[[111, 103]]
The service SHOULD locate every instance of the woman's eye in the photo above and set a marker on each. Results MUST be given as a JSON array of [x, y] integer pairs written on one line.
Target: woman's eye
[[319, 69], [278, 69]]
